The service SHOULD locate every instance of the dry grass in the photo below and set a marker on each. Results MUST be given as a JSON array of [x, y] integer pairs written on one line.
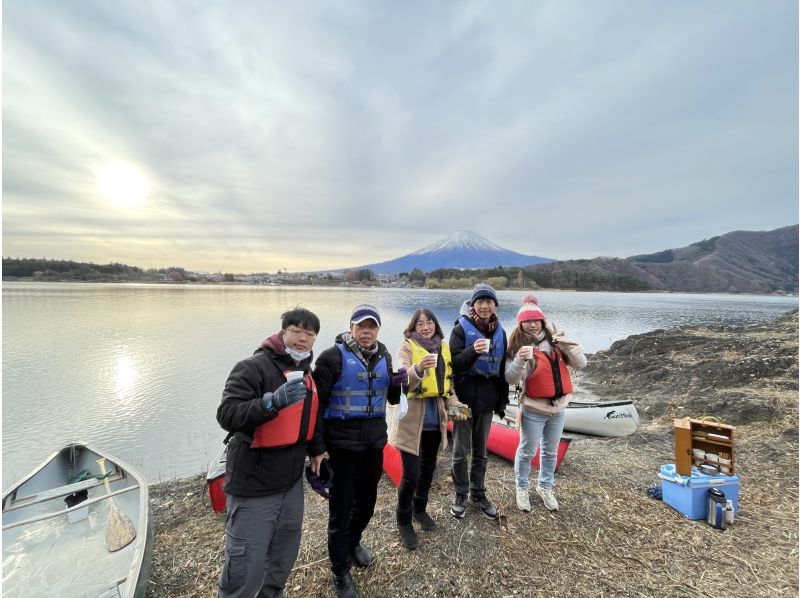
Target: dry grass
[[609, 538]]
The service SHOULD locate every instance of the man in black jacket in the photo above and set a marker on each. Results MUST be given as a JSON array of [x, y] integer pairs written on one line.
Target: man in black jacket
[[478, 346], [270, 414], [355, 381]]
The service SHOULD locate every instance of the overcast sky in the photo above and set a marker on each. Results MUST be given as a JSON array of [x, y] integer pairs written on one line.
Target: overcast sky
[[252, 136]]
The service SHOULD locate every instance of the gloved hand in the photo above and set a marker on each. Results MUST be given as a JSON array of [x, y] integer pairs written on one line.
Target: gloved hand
[[401, 377], [459, 412], [287, 394]]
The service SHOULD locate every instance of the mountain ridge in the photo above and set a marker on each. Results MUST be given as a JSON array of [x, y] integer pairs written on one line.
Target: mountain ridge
[[736, 262]]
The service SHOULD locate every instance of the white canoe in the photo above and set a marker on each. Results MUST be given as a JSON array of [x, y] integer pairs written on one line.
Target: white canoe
[[601, 418], [51, 549]]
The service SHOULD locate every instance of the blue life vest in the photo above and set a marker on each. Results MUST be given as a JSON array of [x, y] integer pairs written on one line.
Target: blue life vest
[[358, 393], [488, 364]]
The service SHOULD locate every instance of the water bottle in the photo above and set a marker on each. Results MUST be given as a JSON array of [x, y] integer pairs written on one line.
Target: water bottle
[[716, 509], [729, 512]]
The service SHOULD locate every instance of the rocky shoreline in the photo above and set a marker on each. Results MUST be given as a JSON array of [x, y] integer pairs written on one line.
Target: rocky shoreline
[[609, 537]]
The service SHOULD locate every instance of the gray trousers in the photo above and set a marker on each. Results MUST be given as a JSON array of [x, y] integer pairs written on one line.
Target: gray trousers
[[469, 439], [262, 538]]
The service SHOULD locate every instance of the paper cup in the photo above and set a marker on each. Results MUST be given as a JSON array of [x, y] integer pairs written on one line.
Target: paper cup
[[294, 376], [435, 358]]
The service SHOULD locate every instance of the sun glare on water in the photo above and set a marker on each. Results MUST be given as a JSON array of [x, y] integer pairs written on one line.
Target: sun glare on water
[[124, 184]]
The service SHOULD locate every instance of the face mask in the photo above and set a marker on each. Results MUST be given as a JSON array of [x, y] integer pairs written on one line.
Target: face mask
[[296, 355]]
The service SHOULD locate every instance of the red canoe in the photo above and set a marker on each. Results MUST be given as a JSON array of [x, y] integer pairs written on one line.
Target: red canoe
[[392, 464], [503, 441]]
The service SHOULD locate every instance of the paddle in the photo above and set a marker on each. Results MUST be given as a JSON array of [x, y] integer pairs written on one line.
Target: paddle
[[119, 527]]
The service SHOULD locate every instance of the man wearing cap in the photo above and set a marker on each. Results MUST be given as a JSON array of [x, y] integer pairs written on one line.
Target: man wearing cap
[[354, 381], [477, 345], [269, 408]]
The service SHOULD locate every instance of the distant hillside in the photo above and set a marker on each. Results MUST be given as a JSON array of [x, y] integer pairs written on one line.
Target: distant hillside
[[462, 249], [736, 262], [44, 270]]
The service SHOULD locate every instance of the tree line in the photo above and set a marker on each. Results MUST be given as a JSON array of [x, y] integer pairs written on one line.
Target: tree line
[[529, 277], [46, 270]]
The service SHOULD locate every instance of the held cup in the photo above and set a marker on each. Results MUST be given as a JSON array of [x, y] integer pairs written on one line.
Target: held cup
[[526, 351], [482, 345], [290, 376], [435, 359]]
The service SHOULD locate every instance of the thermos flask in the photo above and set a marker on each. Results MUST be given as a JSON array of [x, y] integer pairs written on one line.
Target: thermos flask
[[716, 509]]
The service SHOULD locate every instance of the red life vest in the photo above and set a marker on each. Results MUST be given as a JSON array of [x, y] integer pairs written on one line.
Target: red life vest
[[550, 379], [293, 424]]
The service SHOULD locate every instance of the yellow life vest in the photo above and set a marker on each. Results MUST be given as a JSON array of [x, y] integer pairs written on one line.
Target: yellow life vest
[[429, 384]]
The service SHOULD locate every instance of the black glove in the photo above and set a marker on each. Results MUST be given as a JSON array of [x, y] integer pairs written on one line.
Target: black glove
[[287, 394], [401, 377]]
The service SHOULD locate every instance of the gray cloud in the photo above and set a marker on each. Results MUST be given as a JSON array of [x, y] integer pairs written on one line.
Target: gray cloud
[[311, 136]]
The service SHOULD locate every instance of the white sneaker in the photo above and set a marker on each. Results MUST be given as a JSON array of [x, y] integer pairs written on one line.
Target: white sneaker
[[548, 497], [523, 501]]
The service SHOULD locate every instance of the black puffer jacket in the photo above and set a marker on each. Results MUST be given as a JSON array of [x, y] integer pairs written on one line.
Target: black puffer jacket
[[349, 434], [482, 394], [262, 471]]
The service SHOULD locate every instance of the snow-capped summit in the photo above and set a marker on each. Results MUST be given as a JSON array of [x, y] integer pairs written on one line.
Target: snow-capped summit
[[461, 240], [462, 249]]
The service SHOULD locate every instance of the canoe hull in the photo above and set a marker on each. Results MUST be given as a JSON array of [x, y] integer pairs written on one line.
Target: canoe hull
[[602, 418], [54, 524]]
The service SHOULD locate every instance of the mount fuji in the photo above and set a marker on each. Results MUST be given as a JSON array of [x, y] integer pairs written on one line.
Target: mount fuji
[[462, 249]]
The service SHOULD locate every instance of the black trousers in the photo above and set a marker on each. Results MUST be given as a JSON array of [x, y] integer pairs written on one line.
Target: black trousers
[[417, 476], [352, 503]]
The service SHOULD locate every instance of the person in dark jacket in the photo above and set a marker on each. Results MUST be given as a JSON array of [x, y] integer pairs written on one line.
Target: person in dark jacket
[[270, 413], [477, 345], [355, 382]]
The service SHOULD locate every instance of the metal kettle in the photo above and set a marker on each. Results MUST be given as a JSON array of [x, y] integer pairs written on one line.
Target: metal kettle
[[716, 509]]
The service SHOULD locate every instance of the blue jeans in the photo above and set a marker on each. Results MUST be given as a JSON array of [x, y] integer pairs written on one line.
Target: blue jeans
[[536, 427]]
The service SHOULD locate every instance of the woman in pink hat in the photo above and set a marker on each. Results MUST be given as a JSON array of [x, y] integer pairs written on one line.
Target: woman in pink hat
[[538, 354]]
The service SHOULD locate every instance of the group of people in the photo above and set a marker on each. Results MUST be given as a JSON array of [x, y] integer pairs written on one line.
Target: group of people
[[277, 411]]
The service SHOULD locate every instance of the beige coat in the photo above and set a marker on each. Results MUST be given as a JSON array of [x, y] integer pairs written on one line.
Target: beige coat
[[405, 435]]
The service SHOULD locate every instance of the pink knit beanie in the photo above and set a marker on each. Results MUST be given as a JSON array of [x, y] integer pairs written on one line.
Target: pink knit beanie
[[530, 310]]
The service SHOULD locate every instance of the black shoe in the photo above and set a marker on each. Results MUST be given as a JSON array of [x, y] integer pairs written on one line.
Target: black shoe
[[344, 586], [425, 521], [457, 508], [408, 536], [361, 556], [486, 507]]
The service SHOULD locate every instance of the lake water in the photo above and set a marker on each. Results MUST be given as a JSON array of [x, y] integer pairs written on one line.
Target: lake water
[[138, 370]]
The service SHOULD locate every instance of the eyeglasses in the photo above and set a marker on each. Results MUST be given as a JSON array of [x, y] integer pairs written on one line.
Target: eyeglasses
[[301, 332], [424, 324]]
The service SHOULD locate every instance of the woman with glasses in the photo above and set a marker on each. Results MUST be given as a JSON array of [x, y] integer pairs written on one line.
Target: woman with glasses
[[420, 433]]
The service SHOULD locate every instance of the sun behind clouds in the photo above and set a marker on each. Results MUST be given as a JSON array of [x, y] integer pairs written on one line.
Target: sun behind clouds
[[124, 184]]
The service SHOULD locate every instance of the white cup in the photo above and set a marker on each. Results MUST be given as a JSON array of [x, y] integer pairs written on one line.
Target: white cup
[[526, 351], [482, 345], [290, 376], [435, 359]]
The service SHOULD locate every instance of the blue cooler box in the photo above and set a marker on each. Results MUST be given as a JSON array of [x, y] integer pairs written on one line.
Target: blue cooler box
[[689, 494]]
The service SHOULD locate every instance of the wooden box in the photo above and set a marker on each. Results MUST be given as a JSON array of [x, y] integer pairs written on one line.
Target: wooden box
[[699, 441]]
